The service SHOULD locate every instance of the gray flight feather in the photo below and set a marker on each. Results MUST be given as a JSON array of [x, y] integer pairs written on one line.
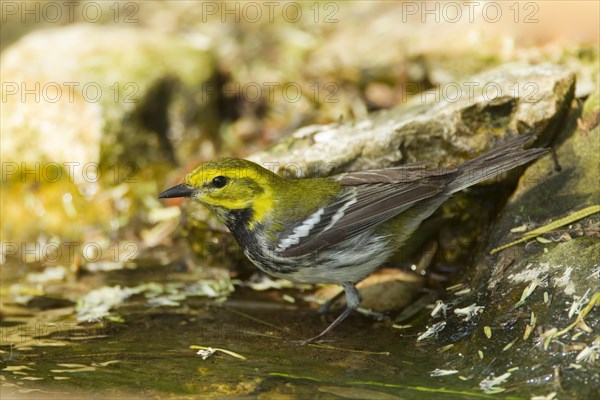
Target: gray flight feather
[[375, 196]]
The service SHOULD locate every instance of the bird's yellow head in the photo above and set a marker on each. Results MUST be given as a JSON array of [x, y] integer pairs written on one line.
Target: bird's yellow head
[[228, 184]]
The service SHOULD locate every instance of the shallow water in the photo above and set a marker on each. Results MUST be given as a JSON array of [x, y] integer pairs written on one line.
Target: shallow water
[[46, 353]]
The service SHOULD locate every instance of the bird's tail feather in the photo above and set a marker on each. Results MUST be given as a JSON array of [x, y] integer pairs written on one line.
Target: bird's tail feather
[[496, 161]]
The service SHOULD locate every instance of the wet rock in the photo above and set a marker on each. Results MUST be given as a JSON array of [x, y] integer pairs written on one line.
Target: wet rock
[[541, 297], [445, 126]]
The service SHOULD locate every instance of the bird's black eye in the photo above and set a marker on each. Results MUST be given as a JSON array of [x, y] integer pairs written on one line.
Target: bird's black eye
[[219, 181]]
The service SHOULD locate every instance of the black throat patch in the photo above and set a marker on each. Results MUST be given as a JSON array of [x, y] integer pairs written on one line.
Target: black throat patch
[[238, 222], [238, 218]]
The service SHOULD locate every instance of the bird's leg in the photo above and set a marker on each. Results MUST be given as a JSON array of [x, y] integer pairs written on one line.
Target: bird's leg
[[324, 308], [353, 299]]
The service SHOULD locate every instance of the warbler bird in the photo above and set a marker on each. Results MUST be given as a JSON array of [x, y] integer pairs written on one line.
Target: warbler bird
[[337, 229]]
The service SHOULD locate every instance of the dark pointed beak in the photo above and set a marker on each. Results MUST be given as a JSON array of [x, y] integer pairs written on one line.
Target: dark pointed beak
[[181, 190]]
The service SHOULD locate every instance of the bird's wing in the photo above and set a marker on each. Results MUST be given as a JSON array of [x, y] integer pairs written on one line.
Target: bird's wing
[[359, 207], [373, 197], [401, 174]]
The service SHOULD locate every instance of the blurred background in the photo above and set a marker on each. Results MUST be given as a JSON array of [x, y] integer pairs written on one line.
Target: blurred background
[[146, 90]]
